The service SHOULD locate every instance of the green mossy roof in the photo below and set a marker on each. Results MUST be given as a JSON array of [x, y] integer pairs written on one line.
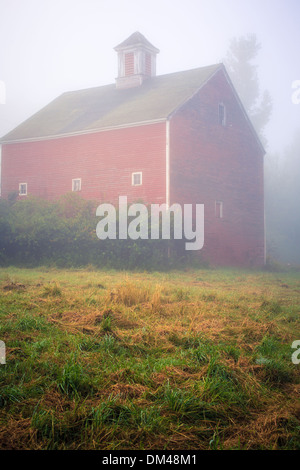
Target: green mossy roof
[[106, 106]]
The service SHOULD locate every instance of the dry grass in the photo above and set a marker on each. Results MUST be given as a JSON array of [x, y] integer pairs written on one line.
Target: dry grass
[[104, 360]]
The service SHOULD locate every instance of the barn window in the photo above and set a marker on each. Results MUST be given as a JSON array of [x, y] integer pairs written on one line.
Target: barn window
[[23, 189], [76, 184], [222, 114], [136, 179], [219, 209]]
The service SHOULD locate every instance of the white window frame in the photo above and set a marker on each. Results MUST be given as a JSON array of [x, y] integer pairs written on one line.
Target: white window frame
[[223, 122], [21, 193], [74, 181], [141, 178], [220, 204]]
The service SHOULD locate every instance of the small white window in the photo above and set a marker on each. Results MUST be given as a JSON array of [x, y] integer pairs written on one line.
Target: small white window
[[219, 209], [23, 189], [136, 179], [76, 184], [222, 114]]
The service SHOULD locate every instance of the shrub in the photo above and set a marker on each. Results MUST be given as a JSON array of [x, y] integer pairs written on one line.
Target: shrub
[[35, 232]]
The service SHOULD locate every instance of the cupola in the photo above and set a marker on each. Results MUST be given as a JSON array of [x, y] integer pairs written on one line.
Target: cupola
[[136, 61]]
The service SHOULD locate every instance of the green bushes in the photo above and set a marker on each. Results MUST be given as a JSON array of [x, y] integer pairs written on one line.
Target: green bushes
[[35, 232]]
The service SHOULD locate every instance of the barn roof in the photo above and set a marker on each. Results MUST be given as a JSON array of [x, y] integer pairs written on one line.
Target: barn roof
[[106, 106]]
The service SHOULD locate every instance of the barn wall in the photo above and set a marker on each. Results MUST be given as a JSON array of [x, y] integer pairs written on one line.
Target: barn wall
[[210, 162], [104, 161]]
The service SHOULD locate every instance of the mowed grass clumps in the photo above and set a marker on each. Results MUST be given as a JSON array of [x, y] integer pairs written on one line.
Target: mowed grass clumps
[[182, 360]]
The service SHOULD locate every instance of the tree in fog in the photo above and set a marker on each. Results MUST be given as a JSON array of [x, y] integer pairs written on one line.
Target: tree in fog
[[243, 73], [282, 172], [282, 196], [290, 182]]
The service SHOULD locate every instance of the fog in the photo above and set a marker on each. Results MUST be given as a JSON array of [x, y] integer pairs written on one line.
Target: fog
[[52, 46]]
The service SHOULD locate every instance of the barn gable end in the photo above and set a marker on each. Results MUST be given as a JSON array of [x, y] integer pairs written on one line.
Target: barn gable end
[[219, 163]]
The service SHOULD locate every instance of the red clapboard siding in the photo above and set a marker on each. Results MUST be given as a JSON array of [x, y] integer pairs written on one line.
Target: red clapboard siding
[[213, 163], [129, 64], [104, 161], [148, 64]]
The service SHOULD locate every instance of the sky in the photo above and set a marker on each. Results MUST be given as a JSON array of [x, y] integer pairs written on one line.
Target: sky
[[48, 47]]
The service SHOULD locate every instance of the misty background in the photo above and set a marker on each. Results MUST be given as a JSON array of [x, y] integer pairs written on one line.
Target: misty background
[[48, 47]]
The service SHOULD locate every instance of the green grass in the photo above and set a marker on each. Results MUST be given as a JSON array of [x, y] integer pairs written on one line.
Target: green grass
[[199, 359]]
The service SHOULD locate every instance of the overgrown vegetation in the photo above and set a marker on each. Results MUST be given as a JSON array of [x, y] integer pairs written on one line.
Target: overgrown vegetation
[[62, 233], [200, 359]]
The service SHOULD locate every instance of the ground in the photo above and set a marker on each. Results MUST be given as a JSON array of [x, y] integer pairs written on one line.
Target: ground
[[195, 359]]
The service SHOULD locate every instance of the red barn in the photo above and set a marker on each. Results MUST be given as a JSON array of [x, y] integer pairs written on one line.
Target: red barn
[[181, 138]]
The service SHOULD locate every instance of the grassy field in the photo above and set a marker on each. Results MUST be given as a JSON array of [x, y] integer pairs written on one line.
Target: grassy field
[[197, 359]]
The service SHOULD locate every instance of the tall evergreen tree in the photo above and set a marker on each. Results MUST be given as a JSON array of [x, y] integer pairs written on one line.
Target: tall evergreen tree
[[243, 73]]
